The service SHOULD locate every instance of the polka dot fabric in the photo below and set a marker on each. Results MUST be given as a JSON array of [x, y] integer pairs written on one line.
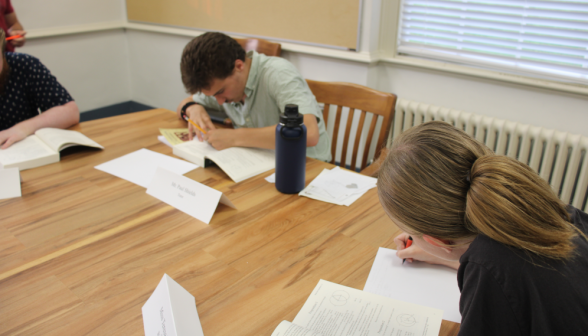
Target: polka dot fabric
[[30, 88]]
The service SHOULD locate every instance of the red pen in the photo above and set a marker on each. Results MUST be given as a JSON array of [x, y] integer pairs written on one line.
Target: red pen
[[408, 243], [13, 37]]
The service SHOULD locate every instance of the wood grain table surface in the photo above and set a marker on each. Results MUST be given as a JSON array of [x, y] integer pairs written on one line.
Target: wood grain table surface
[[81, 250]]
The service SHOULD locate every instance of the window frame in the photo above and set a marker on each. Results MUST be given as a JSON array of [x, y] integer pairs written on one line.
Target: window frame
[[388, 53]]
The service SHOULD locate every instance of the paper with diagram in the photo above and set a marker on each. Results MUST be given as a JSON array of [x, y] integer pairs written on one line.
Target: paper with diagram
[[337, 310], [338, 186]]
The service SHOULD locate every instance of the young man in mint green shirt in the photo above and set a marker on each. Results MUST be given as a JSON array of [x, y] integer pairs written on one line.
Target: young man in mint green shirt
[[252, 89]]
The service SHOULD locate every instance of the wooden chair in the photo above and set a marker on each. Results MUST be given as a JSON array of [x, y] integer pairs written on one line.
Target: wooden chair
[[261, 46], [361, 98]]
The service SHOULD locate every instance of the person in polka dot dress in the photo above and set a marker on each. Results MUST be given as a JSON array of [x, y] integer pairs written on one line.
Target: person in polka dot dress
[[30, 98]]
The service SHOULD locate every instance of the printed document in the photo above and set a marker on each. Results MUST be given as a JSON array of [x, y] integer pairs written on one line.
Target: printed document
[[336, 310]]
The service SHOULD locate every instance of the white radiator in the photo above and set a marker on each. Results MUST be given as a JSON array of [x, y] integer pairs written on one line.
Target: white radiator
[[558, 157]]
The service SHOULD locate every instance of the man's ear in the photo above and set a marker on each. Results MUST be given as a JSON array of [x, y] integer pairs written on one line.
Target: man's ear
[[239, 65], [441, 243]]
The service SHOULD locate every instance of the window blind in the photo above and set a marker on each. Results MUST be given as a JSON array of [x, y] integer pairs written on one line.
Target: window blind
[[547, 39]]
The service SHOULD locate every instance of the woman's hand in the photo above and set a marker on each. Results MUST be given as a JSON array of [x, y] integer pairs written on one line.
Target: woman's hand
[[17, 42], [13, 135], [415, 252]]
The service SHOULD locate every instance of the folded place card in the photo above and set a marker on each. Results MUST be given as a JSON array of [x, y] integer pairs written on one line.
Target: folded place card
[[171, 311], [194, 198], [10, 182]]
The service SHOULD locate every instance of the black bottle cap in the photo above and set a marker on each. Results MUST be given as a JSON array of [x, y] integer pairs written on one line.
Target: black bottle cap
[[291, 117]]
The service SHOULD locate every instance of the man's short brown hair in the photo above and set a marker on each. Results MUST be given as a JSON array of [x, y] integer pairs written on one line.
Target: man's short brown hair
[[207, 57]]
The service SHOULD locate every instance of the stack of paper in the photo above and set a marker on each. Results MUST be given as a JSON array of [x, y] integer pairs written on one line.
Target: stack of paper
[[338, 186]]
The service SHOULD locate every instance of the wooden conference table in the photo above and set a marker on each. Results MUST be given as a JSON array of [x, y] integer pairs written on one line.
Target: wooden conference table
[[81, 251]]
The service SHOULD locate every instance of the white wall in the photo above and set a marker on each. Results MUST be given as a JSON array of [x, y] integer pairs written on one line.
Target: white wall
[[43, 14], [155, 68], [93, 67], [529, 105]]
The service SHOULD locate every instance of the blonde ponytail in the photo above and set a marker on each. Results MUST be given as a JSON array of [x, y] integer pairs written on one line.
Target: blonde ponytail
[[508, 202], [437, 180]]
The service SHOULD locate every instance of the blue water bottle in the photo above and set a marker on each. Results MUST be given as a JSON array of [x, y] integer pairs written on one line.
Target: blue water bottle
[[290, 151]]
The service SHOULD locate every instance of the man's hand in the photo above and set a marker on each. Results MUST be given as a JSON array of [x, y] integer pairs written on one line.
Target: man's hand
[[197, 114], [17, 42], [221, 138], [12, 135]]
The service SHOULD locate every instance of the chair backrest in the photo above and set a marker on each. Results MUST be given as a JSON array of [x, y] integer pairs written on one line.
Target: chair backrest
[[356, 98], [261, 46]]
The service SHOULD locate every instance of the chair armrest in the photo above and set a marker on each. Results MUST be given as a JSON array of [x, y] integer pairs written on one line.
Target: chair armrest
[[374, 168]]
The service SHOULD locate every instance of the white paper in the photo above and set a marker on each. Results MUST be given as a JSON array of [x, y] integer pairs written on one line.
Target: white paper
[[195, 199], [171, 311], [9, 183], [139, 167], [417, 282], [336, 310], [338, 186], [271, 178]]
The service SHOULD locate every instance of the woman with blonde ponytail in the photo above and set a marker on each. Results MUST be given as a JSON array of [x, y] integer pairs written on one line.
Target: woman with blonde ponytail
[[521, 254]]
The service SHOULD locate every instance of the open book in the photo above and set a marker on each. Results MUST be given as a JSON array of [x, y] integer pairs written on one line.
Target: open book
[[334, 310], [238, 162], [42, 148]]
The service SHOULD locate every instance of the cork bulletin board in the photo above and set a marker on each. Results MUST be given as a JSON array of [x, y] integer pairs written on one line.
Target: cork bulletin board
[[330, 23]]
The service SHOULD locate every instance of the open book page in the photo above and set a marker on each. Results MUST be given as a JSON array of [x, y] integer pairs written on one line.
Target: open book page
[[175, 136], [59, 139], [28, 153], [335, 310], [286, 328], [238, 162], [242, 163], [194, 151]]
